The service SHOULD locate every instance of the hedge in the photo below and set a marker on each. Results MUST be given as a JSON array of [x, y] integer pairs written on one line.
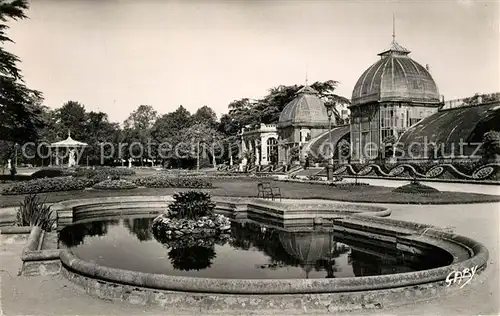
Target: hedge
[[45, 185]]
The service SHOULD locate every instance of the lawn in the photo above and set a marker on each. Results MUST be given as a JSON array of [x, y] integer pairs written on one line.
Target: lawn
[[247, 187]]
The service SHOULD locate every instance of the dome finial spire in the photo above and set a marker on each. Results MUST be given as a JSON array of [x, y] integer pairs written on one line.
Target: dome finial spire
[[306, 77], [393, 28], [394, 49]]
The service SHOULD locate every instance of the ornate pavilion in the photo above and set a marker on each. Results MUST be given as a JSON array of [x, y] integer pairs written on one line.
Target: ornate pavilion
[[393, 94], [302, 122], [396, 96], [303, 119]]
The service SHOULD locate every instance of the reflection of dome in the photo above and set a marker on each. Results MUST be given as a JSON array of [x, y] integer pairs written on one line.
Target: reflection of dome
[[307, 247], [395, 77], [306, 109]]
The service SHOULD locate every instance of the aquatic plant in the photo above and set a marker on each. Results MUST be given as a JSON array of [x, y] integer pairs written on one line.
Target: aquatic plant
[[35, 212]]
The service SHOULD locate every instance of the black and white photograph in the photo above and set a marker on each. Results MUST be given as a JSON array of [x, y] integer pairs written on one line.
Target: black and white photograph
[[249, 157]]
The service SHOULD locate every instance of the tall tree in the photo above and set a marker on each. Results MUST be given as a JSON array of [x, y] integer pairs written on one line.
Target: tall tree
[[169, 125], [20, 112], [99, 129], [241, 113], [202, 138], [49, 131], [205, 115], [270, 107], [142, 119], [71, 117], [267, 110], [326, 93], [138, 128]]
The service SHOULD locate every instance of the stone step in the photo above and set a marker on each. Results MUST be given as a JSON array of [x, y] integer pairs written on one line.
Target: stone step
[[383, 229]]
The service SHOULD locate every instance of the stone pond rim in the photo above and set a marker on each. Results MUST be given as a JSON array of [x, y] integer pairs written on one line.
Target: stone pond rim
[[389, 289]]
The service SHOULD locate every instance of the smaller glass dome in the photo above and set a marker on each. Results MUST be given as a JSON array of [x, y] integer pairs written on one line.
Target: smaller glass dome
[[307, 109]]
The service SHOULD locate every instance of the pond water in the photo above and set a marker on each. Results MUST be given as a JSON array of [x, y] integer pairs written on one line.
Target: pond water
[[250, 251]]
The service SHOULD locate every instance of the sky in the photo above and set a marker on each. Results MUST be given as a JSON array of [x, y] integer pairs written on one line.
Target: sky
[[114, 55]]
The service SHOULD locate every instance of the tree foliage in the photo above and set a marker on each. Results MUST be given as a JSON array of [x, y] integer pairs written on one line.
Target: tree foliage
[[491, 145], [205, 115], [168, 126], [20, 111], [267, 110], [137, 128], [70, 117], [180, 130]]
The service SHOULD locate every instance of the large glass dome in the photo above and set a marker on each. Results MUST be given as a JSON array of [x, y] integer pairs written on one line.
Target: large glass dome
[[395, 77]]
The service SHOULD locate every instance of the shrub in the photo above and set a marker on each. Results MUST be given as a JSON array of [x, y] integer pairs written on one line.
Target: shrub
[[17, 177], [415, 188], [34, 212], [51, 172], [161, 181], [491, 145], [191, 205], [104, 172], [45, 185], [114, 185], [344, 148]]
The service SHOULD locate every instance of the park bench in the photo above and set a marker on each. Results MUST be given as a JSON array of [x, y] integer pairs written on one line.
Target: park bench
[[266, 190]]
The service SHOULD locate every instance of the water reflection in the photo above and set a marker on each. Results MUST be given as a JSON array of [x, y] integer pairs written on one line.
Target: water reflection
[[191, 258], [364, 264], [140, 227], [191, 252], [308, 250], [250, 248], [76, 234]]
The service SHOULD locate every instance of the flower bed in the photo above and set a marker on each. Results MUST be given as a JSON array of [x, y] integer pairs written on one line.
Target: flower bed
[[183, 173], [104, 172], [52, 172], [163, 181], [45, 185], [415, 188], [191, 214], [114, 185], [335, 183], [170, 228]]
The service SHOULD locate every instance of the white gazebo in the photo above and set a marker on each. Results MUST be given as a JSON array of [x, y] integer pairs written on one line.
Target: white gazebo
[[71, 145]]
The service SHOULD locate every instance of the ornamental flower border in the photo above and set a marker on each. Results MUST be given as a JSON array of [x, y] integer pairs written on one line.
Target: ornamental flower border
[[438, 171]]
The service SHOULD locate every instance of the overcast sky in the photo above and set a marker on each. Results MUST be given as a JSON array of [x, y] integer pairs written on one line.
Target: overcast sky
[[113, 55]]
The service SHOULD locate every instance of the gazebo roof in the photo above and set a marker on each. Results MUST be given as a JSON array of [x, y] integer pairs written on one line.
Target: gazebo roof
[[68, 143]]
